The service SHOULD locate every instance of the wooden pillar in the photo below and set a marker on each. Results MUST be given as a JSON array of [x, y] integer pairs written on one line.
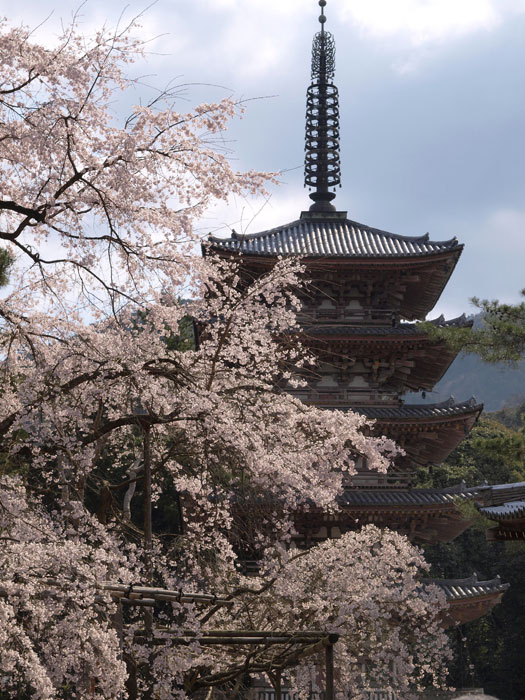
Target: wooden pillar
[[277, 685], [329, 694], [148, 528], [118, 621]]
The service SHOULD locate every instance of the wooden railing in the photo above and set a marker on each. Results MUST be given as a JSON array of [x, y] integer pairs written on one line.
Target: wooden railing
[[269, 694], [359, 316], [378, 480], [346, 397]]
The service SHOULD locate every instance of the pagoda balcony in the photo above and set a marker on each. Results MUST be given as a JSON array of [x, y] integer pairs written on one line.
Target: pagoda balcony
[[343, 398], [372, 317], [392, 479]]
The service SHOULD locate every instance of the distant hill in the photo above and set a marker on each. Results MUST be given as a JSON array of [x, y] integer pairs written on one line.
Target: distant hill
[[494, 385]]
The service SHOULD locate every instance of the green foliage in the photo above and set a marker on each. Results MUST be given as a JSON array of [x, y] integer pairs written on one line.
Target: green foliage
[[184, 339], [6, 261], [492, 452], [501, 337], [489, 652]]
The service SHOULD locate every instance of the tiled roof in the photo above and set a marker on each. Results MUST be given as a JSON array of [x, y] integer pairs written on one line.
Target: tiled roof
[[458, 322], [332, 237], [398, 497], [503, 501], [507, 511], [512, 490], [457, 589], [407, 411]]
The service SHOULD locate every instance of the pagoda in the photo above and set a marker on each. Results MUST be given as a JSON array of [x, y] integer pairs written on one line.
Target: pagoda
[[368, 288]]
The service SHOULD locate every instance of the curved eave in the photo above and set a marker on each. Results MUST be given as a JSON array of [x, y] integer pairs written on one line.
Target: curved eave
[[421, 516], [417, 433], [369, 262], [428, 368], [400, 498], [511, 511], [509, 515], [364, 259], [469, 599]]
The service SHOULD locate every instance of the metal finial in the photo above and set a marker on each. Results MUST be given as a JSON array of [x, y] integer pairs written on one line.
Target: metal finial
[[322, 163], [322, 18]]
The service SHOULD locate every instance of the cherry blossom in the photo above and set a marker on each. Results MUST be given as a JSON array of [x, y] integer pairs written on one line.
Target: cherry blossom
[[127, 448]]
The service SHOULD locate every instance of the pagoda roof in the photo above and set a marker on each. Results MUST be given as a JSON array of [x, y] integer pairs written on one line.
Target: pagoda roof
[[429, 359], [414, 428], [423, 515], [446, 409], [496, 494], [332, 235]]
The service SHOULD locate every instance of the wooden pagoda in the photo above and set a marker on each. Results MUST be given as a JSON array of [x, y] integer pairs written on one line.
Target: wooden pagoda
[[368, 287]]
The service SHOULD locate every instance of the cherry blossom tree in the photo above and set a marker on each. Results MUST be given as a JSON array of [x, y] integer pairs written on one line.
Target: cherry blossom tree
[[88, 196], [125, 447], [360, 586]]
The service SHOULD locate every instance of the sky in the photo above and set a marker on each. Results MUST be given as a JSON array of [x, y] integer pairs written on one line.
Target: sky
[[432, 101]]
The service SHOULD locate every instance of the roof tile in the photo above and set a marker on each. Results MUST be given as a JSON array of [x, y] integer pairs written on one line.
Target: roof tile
[[330, 237], [437, 410], [471, 587]]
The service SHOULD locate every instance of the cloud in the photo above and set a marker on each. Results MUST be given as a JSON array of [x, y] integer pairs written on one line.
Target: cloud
[[255, 214], [421, 21]]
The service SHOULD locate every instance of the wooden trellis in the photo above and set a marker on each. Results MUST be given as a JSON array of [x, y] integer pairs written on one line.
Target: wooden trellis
[[270, 652]]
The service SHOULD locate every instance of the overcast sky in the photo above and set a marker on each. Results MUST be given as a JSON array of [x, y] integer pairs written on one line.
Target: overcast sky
[[432, 99]]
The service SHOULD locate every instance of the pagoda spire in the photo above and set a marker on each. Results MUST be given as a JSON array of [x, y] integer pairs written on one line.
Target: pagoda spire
[[322, 168]]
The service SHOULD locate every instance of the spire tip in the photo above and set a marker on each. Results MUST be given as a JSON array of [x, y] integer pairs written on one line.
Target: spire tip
[[322, 161], [322, 18]]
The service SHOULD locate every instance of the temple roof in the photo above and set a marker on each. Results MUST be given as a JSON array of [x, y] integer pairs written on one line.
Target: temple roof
[[505, 504], [472, 587], [499, 493], [507, 511], [445, 409], [332, 236], [414, 428], [398, 497]]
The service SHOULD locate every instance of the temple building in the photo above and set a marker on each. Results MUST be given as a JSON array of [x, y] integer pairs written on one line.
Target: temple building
[[504, 504], [368, 288]]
